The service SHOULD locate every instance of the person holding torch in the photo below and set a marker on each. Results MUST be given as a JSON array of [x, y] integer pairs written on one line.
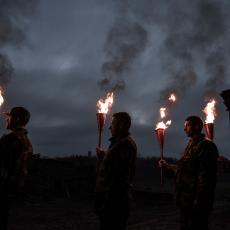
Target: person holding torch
[[15, 149], [195, 177], [115, 174]]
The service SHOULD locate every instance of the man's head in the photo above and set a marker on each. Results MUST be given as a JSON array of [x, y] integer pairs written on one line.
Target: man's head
[[120, 124], [193, 126], [17, 117]]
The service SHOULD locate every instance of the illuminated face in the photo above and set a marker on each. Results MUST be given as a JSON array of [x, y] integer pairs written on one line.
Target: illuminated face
[[11, 123], [188, 128], [8, 122], [114, 127]]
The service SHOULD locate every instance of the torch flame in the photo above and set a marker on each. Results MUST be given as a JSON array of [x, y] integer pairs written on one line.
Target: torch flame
[[210, 111], [162, 112], [162, 125], [105, 105], [172, 97], [1, 98]]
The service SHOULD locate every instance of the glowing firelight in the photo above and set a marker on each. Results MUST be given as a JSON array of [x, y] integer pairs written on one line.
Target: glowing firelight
[[105, 105], [162, 112], [172, 97], [1, 98], [162, 125], [210, 111]]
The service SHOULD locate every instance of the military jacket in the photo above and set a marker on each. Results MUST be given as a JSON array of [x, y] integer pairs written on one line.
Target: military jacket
[[196, 174], [15, 149], [115, 172]]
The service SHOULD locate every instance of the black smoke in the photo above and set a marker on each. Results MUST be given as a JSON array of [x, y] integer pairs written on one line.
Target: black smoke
[[196, 34], [125, 41], [13, 16]]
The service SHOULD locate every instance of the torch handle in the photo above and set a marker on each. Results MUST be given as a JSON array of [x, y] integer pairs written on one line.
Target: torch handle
[[99, 139], [161, 167], [161, 176]]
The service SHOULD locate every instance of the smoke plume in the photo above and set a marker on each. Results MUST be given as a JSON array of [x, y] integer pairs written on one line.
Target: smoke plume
[[195, 32], [13, 15], [125, 42], [191, 34]]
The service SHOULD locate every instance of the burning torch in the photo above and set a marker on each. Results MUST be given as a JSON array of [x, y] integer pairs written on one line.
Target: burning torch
[[103, 108], [210, 112], [1, 98], [172, 97], [160, 132]]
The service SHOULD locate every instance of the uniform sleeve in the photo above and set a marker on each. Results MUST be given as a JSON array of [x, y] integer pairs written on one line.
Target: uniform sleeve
[[207, 173], [122, 167], [10, 149]]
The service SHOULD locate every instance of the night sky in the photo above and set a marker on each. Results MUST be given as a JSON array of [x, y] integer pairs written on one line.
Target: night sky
[[58, 57]]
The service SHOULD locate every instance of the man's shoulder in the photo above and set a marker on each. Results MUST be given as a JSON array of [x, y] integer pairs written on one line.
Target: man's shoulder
[[209, 147], [129, 142], [208, 143], [9, 137], [126, 144]]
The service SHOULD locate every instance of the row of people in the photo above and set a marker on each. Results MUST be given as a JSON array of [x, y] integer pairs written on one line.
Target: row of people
[[195, 176], [15, 149], [195, 172]]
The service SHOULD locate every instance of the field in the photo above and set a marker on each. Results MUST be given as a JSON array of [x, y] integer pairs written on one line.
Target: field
[[59, 196]]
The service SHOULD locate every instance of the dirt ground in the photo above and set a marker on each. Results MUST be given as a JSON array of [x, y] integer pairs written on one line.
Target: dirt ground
[[59, 201], [151, 212]]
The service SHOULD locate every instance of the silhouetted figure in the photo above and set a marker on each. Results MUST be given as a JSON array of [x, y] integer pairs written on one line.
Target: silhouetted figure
[[15, 149], [115, 173], [195, 177]]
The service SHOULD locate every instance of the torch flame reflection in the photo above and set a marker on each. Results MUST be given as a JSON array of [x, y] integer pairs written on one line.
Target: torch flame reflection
[[210, 111]]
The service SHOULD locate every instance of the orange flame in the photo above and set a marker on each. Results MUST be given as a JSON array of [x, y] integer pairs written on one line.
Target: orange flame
[[162, 125], [162, 112], [1, 98], [105, 105], [172, 97], [210, 111]]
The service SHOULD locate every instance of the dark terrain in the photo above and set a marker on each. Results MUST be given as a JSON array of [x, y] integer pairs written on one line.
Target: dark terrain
[[59, 196]]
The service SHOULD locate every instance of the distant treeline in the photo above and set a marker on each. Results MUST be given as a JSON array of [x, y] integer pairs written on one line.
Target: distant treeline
[[75, 175]]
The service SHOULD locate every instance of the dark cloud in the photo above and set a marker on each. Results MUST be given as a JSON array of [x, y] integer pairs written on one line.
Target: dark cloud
[[5, 70], [194, 31], [216, 68], [148, 48], [12, 16]]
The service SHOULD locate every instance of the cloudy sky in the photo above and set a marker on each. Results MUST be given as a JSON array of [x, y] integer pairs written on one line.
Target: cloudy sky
[[58, 57]]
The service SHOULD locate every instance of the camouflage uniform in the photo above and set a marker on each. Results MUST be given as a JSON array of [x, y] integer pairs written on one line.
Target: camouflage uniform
[[15, 149], [195, 182], [115, 173]]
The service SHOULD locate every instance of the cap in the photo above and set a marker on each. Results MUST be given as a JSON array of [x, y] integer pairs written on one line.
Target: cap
[[19, 112]]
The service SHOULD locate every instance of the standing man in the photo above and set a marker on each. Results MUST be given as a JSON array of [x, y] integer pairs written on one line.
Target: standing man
[[15, 149], [195, 177], [115, 174]]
